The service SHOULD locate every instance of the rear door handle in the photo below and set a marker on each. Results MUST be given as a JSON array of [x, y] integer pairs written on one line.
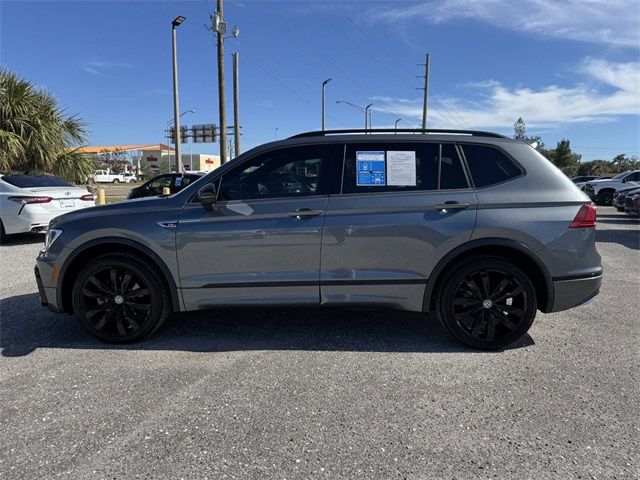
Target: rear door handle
[[305, 212], [451, 205]]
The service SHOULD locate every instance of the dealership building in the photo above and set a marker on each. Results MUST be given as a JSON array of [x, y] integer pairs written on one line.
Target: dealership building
[[155, 154]]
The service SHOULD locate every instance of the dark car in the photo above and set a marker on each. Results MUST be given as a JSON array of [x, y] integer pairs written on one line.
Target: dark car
[[620, 197], [155, 186], [584, 178], [632, 204]]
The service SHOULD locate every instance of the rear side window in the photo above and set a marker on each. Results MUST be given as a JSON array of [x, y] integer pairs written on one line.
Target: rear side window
[[489, 165], [400, 167], [33, 181]]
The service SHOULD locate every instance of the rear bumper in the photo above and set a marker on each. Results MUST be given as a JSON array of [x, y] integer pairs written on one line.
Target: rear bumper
[[571, 292]]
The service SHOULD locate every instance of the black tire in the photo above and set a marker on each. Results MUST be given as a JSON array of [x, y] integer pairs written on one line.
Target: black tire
[[605, 197], [115, 180], [620, 209], [3, 236], [120, 299], [486, 303]]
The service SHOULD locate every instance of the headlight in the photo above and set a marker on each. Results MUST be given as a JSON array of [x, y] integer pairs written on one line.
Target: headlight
[[51, 236]]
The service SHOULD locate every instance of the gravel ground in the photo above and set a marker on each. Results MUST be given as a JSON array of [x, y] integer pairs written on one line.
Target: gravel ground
[[323, 394]]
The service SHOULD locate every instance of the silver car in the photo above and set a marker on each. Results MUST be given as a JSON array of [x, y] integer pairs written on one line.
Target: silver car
[[474, 227]]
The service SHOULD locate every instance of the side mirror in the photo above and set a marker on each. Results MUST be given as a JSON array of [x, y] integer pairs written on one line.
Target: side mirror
[[207, 195]]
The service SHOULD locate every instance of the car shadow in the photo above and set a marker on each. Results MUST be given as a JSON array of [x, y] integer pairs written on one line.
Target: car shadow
[[627, 238], [26, 326], [24, 239]]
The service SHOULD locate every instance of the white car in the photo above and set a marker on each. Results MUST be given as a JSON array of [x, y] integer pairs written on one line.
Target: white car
[[29, 202], [129, 178], [104, 176]]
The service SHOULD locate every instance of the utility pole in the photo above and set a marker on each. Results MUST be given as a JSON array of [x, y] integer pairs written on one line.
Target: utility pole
[[426, 93], [176, 108], [324, 84], [220, 28], [236, 107]]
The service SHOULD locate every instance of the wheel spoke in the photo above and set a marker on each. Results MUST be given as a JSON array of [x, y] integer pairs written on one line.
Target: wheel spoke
[[473, 288], [125, 282], [140, 292], [88, 293], [120, 324], [113, 276], [484, 278], [138, 306], [466, 302], [491, 328], [510, 309], [510, 294], [130, 316], [101, 286], [504, 320], [106, 317], [476, 326], [101, 308], [504, 283]]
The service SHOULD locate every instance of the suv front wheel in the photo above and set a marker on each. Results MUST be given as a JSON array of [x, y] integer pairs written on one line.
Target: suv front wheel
[[486, 302], [120, 299]]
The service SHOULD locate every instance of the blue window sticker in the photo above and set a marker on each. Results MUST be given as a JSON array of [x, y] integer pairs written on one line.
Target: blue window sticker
[[370, 169]]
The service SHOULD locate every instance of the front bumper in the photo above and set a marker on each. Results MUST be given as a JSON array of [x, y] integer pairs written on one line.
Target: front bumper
[[569, 293], [44, 279]]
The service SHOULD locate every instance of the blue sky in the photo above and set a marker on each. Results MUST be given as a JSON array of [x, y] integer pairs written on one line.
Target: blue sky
[[571, 69]]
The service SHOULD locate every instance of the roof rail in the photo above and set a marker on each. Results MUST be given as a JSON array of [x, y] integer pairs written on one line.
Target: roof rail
[[474, 133]]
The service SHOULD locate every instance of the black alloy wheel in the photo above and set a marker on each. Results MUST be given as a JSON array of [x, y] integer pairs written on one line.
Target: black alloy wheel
[[119, 299], [487, 303]]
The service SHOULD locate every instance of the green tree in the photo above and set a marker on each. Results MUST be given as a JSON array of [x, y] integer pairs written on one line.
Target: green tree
[[520, 130], [36, 134], [165, 167], [594, 167], [564, 158]]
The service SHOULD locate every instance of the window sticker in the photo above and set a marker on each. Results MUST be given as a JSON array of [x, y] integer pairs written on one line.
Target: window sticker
[[178, 181], [401, 168], [370, 169]]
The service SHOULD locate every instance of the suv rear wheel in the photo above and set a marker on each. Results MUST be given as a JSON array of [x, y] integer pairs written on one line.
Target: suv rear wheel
[[120, 299], [486, 302]]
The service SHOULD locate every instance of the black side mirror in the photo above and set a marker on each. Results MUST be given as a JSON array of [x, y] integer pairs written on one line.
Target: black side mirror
[[207, 195]]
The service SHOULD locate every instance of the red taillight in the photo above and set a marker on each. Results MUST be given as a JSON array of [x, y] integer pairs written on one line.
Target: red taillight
[[585, 218], [27, 200], [87, 198]]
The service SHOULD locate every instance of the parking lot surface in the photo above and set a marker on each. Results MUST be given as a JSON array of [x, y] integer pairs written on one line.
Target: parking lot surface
[[323, 393]]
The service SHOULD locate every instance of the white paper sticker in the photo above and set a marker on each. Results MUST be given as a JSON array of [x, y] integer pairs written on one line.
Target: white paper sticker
[[401, 168]]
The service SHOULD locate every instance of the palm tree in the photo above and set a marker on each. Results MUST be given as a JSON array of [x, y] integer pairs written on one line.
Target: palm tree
[[36, 134]]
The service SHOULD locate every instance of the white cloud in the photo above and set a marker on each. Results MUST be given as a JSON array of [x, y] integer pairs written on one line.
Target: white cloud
[[96, 66], [613, 90], [612, 22]]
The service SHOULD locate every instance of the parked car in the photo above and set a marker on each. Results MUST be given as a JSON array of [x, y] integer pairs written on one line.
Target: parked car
[[601, 191], [103, 176], [29, 202], [477, 228], [619, 197], [129, 178], [582, 181], [155, 186], [632, 204]]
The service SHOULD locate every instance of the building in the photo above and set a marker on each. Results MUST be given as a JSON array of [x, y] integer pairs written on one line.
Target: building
[[154, 155]]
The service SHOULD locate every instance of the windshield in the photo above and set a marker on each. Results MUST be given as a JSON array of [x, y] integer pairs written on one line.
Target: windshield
[[620, 175], [31, 181]]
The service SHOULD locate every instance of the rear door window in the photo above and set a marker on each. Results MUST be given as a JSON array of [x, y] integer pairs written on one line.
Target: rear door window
[[401, 167], [488, 165]]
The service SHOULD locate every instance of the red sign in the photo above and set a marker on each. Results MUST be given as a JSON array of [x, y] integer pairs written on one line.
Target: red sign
[[152, 159], [208, 160]]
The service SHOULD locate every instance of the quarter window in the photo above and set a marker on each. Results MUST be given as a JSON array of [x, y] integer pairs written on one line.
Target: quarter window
[[489, 165], [289, 172]]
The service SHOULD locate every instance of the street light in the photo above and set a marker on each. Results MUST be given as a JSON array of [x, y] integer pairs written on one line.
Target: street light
[[176, 108], [170, 121], [358, 107], [324, 84], [367, 110], [396, 124]]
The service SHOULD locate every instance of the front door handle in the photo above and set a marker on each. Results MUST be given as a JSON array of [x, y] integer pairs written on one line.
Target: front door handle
[[451, 205], [305, 212]]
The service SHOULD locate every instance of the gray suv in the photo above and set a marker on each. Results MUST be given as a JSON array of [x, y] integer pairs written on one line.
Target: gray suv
[[477, 228]]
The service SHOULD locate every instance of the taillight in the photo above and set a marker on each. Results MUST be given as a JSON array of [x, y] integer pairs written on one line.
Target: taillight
[[27, 200], [87, 198], [585, 218]]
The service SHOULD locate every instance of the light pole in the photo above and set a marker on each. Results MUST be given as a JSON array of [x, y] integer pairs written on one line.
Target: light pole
[[367, 114], [358, 107], [396, 124], [176, 117], [324, 84]]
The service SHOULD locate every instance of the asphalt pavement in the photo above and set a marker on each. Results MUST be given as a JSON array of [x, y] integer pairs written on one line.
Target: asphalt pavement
[[336, 394]]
